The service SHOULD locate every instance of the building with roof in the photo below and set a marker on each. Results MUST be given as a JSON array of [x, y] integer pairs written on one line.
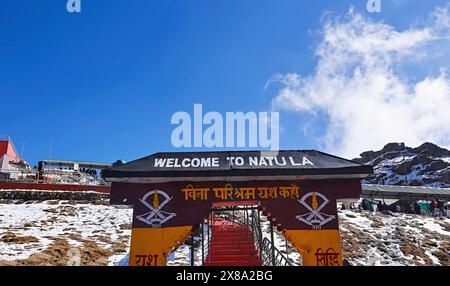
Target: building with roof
[[405, 193], [8, 152], [74, 165]]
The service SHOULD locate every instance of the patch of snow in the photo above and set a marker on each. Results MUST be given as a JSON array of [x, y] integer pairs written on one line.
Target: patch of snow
[[434, 227], [45, 221], [119, 260], [445, 159]]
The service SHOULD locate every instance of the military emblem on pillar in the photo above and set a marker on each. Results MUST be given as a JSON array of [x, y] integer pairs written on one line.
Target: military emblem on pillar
[[315, 217], [153, 236], [317, 236], [155, 217]]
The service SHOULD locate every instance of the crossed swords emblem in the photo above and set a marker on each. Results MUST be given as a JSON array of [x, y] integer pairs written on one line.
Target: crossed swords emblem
[[155, 217], [315, 218]]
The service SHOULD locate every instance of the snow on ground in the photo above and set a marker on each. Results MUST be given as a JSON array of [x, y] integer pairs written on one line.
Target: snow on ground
[[43, 222], [97, 231], [394, 238]]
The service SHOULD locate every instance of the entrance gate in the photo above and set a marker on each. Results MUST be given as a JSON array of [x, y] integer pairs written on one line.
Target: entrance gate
[[298, 190]]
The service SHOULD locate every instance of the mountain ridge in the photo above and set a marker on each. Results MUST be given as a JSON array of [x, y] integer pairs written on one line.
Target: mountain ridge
[[397, 164]]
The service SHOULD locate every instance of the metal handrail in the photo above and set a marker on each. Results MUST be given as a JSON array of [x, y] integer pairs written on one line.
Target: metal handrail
[[267, 260], [257, 232], [268, 253]]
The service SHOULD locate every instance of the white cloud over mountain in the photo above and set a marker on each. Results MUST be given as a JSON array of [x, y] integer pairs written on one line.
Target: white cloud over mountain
[[365, 83]]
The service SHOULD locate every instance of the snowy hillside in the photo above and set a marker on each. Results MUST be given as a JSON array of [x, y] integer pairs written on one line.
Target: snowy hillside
[[67, 232], [394, 239], [56, 232], [427, 165]]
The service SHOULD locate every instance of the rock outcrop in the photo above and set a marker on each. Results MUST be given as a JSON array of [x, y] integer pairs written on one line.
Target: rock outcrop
[[397, 164]]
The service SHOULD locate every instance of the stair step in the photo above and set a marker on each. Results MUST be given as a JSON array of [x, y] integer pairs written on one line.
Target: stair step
[[214, 252], [237, 238], [231, 237], [232, 263], [247, 258], [232, 244], [231, 231], [222, 249], [224, 241], [228, 235]]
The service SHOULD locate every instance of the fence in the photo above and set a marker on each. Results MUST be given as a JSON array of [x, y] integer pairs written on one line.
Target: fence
[[54, 187], [51, 176], [269, 254]]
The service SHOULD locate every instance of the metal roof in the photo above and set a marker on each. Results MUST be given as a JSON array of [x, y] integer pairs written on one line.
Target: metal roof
[[404, 192], [254, 164], [71, 163]]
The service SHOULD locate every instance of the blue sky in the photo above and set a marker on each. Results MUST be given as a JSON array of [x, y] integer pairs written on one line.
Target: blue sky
[[103, 84]]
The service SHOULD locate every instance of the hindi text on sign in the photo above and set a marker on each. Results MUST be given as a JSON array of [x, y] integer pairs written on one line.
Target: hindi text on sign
[[228, 192]]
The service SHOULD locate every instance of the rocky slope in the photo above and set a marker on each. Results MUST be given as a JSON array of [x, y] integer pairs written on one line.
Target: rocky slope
[[394, 239], [396, 164]]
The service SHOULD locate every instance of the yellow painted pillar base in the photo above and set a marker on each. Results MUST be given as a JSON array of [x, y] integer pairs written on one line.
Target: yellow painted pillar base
[[150, 246], [318, 247]]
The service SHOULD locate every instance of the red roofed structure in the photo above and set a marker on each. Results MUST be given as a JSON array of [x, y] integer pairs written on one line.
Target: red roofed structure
[[8, 152]]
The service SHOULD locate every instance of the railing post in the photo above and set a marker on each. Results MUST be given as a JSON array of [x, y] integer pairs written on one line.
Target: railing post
[[209, 243], [259, 225], [286, 245], [272, 243], [192, 248], [203, 244], [247, 215]]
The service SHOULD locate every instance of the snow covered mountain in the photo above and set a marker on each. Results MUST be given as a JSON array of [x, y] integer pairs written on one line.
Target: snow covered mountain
[[396, 164]]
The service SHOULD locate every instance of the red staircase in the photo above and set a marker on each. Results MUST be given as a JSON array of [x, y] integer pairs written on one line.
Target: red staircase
[[231, 245]]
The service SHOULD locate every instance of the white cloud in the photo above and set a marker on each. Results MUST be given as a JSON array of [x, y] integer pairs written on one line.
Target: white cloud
[[361, 85]]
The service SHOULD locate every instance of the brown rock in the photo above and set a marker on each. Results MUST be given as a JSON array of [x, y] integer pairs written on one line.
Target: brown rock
[[403, 168], [13, 238]]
